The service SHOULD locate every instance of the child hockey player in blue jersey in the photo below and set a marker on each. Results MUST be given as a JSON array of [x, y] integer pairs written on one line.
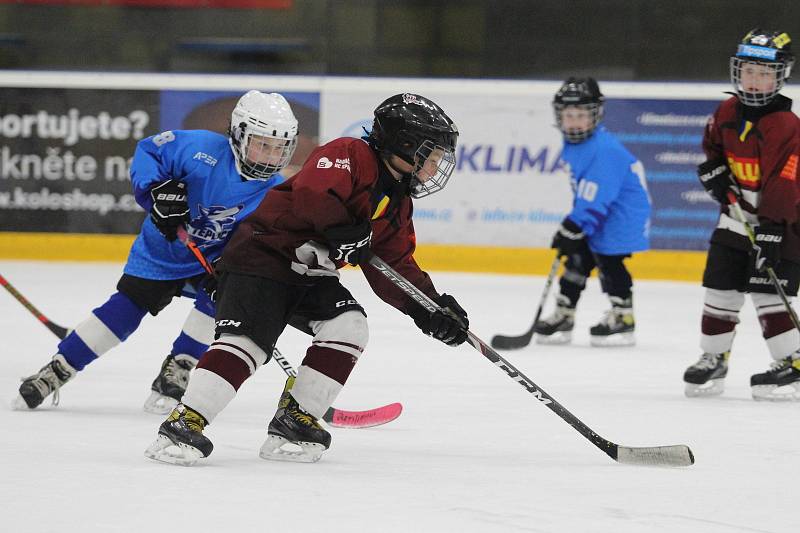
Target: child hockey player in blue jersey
[[207, 182], [608, 222]]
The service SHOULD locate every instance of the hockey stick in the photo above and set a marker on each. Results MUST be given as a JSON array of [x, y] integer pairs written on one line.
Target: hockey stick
[[57, 330], [348, 419], [506, 342], [678, 455], [734, 202], [333, 416]]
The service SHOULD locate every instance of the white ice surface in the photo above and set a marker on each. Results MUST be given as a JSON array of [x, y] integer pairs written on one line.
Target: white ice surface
[[472, 450]]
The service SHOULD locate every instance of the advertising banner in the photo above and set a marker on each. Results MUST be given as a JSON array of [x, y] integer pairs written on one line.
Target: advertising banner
[[666, 136], [510, 187], [65, 153], [64, 158]]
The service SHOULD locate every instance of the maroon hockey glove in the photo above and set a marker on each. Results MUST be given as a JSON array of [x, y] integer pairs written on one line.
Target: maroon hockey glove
[[568, 238], [767, 245], [441, 325], [350, 243], [716, 179], [170, 208]]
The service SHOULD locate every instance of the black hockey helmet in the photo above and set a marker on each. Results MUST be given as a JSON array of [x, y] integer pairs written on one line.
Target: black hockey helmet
[[583, 93], [415, 129], [770, 49]]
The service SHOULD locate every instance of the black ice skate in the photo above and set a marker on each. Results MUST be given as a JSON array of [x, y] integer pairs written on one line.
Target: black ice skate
[[707, 376], [294, 428], [556, 328], [180, 438], [170, 384], [48, 380], [778, 384], [617, 325]]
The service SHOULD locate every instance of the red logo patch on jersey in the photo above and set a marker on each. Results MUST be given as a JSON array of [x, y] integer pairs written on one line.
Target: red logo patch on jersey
[[746, 169], [790, 168]]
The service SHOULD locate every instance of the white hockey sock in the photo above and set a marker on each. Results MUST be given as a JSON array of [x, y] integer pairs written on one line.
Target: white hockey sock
[[208, 393]]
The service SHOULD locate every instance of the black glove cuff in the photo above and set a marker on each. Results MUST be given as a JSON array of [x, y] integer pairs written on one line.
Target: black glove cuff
[[571, 229]]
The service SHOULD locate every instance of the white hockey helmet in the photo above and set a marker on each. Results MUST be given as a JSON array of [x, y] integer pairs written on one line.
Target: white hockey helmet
[[263, 134]]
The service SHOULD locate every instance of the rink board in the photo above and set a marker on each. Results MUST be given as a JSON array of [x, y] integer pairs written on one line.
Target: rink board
[[684, 265]]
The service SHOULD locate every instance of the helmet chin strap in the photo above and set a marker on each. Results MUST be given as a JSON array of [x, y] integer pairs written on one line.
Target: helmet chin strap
[[397, 174]]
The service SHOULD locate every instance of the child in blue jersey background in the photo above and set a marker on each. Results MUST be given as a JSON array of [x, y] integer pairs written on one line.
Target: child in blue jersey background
[[208, 183], [609, 220]]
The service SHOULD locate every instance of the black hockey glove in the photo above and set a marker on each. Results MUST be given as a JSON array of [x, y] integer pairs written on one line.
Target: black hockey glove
[[767, 248], [441, 325], [716, 179], [170, 208], [350, 243], [208, 283], [568, 239]]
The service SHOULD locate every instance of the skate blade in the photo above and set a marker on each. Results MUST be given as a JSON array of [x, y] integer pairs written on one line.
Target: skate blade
[[559, 337], [166, 451], [159, 404], [712, 387], [617, 339], [273, 450], [773, 393]]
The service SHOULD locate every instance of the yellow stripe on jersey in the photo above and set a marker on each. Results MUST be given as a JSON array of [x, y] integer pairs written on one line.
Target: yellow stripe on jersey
[[745, 130], [381, 209]]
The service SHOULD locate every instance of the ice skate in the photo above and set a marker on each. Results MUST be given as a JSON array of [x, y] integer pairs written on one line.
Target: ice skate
[[180, 438], [556, 328], [617, 326], [48, 380], [707, 376], [781, 383], [294, 434], [170, 384]]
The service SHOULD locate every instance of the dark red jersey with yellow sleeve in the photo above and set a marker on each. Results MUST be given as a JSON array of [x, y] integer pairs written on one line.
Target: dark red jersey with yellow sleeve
[[761, 146], [341, 183]]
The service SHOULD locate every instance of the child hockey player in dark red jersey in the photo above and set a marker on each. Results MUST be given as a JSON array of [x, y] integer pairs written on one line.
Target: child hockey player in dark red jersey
[[350, 198], [752, 143]]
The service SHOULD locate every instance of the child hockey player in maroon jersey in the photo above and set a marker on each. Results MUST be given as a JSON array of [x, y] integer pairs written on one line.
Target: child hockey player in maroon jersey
[[352, 197], [752, 143]]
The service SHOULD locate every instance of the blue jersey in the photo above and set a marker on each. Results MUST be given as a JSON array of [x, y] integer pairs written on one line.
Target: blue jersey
[[611, 204], [219, 199]]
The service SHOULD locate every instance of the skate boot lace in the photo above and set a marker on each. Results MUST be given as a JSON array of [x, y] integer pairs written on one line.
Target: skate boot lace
[[560, 313], [778, 365], [707, 361], [303, 417], [177, 371], [192, 419], [48, 381]]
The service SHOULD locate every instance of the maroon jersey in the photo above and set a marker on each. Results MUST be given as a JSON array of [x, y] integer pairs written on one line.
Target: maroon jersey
[[761, 147], [341, 183]]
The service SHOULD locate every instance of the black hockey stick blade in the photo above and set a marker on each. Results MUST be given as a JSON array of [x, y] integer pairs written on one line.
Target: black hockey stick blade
[[57, 330], [679, 455], [508, 342]]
